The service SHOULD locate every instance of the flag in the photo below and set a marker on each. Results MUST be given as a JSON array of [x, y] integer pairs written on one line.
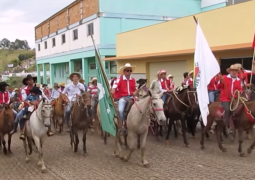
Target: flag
[[107, 110], [253, 44], [206, 67]]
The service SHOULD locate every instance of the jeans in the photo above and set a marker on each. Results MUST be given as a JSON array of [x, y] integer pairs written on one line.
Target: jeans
[[226, 106], [93, 106], [212, 95], [121, 106], [164, 97], [19, 117], [68, 112]]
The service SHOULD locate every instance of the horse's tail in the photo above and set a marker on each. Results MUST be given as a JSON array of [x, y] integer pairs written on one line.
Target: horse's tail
[[29, 141]]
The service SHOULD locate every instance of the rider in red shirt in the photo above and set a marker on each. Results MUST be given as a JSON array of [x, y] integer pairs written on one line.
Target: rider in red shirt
[[187, 80], [213, 87]]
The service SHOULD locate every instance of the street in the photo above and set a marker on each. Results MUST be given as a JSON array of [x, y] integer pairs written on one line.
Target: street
[[174, 161]]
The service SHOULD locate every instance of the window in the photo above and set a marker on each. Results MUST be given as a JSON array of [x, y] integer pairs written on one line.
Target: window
[[113, 67], [39, 47], [92, 66], [75, 34], [63, 38], [53, 42], [90, 29], [45, 44]]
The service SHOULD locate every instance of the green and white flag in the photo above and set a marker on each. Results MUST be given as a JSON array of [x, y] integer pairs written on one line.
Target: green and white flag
[[107, 110]]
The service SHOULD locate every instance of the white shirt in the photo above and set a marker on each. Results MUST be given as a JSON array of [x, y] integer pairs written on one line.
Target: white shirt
[[55, 93], [71, 90]]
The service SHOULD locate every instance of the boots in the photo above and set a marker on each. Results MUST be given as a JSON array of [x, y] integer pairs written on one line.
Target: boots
[[15, 127], [49, 133], [22, 135]]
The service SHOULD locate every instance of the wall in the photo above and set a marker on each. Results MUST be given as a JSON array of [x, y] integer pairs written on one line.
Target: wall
[[231, 25], [236, 1], [82, 41], [216, 6], [173, 8], [206, 3]]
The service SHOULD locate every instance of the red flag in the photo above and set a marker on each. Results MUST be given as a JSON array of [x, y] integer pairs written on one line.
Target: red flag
[[253, 44]]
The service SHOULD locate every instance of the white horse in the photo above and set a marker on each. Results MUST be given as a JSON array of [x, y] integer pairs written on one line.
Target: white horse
[[36, 129]]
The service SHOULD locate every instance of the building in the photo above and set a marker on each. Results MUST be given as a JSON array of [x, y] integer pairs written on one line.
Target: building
[[170, 45], [63, 40]]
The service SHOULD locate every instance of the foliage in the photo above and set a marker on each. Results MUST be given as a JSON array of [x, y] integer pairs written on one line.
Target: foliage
[[23, 57]]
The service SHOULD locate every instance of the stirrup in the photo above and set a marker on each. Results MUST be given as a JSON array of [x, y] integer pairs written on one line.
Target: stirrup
[[22, 137]]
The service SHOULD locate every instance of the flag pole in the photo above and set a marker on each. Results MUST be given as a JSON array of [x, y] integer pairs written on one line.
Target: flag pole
[[105, 78], [252, 65], [194, 68]]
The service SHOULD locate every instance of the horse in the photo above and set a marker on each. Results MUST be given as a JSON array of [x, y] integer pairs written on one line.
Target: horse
[[36, 130], [59, 111], [138, 121], [243, 120], [6, 126], [81, 118], [177, 107]]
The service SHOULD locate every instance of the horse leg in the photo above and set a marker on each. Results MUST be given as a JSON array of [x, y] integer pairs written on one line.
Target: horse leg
[[84, 143], [25, 147], [118, 149], [4, 147], [132, 141], [240, 140], [38, 143], [143, 137], [175, 129], [138, 141], [249, 150], [184, 132], [9, 143], [219, 129], [168, 131], [76, 141]]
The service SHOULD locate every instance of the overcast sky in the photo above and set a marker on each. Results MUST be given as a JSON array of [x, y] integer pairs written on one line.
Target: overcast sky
[[19, 17]]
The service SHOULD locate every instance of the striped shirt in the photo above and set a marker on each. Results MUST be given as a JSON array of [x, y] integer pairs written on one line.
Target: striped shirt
[[93, 89]]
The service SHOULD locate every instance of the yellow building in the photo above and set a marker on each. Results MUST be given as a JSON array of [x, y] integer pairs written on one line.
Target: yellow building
[[170, 45]]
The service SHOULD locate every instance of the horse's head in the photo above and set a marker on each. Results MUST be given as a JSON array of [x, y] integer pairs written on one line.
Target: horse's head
[[142, 92], [86, 98], [141, 82], [45, 109], [63, 97], [188, 96], [156, 106], [7, 113]]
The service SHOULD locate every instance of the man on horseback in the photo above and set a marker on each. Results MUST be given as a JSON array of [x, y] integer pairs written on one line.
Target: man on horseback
[[94, 95], [228, 85], [171, 79], [62, 86], [5, 96], [187, 80], [72, 90], [213, 88], [123, 89]]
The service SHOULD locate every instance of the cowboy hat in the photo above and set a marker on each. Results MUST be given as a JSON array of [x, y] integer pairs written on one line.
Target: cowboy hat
[[24, 81], [239, 66], [75, 73], [3, 84], [122, 68], [162, 72], [232, 67], [170, 76], [16, 89], [36, 90], [56, 85], [82, 81], [93, 80], [191, 72], [62, 84]]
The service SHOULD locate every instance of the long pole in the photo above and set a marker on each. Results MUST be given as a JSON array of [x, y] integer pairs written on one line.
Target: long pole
[[105, 78], [252, 65]]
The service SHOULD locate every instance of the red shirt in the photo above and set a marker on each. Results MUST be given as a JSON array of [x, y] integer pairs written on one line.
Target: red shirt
[[171, 85], [165, 84], [4, 97], [214, 84], [188, 82], [124, 87], [228, 87], [243, 76]]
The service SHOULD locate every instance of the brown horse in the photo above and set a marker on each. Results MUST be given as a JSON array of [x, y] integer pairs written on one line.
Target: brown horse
[[6, 126], [59, 111], [81, 118], [177, 107], [243, 120]]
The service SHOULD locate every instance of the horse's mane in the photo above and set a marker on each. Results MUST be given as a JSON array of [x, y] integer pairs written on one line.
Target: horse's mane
[[181, 89]]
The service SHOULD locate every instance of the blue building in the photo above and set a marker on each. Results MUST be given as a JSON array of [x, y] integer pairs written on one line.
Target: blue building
[[63, 40]]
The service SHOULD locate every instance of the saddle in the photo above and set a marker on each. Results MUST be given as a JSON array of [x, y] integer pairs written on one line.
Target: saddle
[[128, 106]]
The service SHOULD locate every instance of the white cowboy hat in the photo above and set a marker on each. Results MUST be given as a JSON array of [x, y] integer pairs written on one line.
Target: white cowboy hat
[[170, 75], [127, 65], [239, 66], [191, 72], [94, 79], [233, 67]]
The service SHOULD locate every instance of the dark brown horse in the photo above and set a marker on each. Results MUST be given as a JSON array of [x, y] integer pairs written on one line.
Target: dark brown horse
[[6, 126], [59, 111], [81, 118], [177, 107], [243, 120]]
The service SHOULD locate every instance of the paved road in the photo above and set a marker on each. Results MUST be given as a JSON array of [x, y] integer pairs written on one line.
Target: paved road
[[166, 162]]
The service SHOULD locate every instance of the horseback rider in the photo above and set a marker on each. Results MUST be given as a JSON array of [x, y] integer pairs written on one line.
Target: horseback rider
[[213, 88], [228, 85], [171, 79], [82, 81], [5, 96], [55, 92], [165, 84], [124, 88], [62, 86], [72, 90], [156, 85], [94, 95], [46, 91], [187, 79]]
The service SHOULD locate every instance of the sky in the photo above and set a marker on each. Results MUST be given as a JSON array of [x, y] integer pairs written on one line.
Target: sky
[[18, 18]]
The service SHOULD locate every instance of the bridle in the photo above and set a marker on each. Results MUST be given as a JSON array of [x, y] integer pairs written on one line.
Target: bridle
[[43, 117]]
